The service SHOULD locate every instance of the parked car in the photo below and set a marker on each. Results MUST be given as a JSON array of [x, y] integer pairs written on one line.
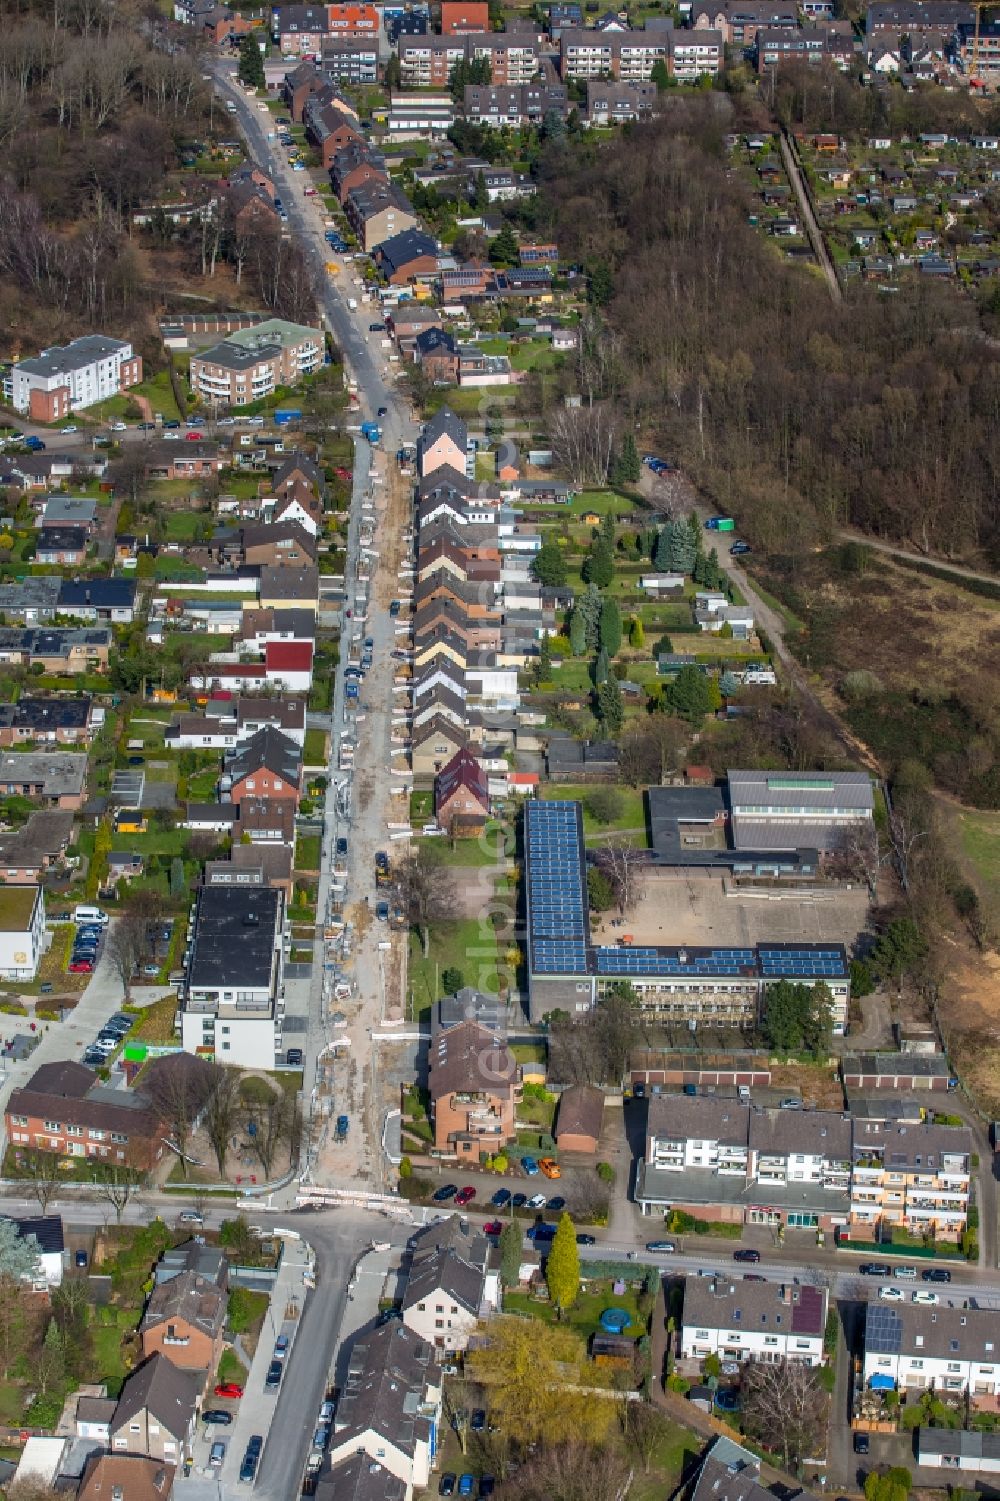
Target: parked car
[[446, 1485], [466, 1485], [478, 1420], [80, 1260], [877, 1269], [281, 1347], [660, 1247], [891, 1294], [586, 1240], [229, 1389], [248, 1469], [924, 1298], [518, 1201], [215, 1415], [791, 1103], [217, 1455], [493, 1227], [907, 1273], [273, 1378], [541, 1233], [862, 1444], [739, 549], [70, 427], [191, 1217], [501, 1198], [747, 1254], [465, 1195], [293, 1057], [537, 1201], [445, 1192], [487, 1485], [936, 1274], [557, 1205], [530, 1166], [550, 1167], [81, 967]]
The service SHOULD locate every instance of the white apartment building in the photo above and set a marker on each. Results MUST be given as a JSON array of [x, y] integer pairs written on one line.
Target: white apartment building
[[950, 1349], [916, 1176], [22, 931], [79, 374], [694, 54], [697, 1131], [739, 1320], [809, 1147], [233, 1002]]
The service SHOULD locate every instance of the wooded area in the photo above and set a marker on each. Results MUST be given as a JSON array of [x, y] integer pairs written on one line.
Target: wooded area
[[796, 415]]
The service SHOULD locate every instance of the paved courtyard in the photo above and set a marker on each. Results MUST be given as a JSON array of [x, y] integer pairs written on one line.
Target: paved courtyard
[[676, 908]]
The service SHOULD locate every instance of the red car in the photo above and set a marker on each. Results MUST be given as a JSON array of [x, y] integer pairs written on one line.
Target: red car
[[465, 1196], [81, 967], [228, 1389], [495, 1227], [194, 437]]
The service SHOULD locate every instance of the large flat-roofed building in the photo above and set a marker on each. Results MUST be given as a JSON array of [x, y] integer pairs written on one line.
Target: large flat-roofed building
[[253, 362], [721, 986], [792, 810], [234, 980], [64, 378]]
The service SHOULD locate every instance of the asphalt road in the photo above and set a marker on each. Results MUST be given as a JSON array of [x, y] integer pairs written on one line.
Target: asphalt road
[[356, 1084]]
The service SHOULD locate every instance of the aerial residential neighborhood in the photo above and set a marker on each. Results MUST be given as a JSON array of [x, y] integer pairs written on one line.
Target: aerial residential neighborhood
[[499, 768]]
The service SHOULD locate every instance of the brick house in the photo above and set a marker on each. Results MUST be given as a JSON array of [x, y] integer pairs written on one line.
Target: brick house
[[436, 352], [250, 209], [581, 1116], [132, 1476], [474, 1085], [61, 545], [353, 165], [461, 794], [267, 765], [184, 1322], [298, 87], [328, 128], [156, 1412], [408, 257], [65, 1109]]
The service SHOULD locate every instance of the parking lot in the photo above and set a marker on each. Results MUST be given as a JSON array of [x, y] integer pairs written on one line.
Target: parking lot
[[704, 910]]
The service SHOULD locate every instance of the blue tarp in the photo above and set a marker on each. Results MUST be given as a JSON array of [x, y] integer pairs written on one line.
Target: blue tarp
[[882, 1383]]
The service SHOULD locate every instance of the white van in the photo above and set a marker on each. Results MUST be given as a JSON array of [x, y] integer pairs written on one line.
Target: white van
[[90, 914]]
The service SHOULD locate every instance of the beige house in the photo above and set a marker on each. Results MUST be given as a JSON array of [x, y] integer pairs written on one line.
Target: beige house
[[156, 1412], [475, 1085]]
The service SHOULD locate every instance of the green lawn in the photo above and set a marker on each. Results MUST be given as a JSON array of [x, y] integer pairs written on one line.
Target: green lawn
[[185, 526], [585, 1314], [156, 842], [469, 853], [157, 390], [980, 837], [107, 1344], [632, 815], [307, 852], [468, 945], [315, 748]]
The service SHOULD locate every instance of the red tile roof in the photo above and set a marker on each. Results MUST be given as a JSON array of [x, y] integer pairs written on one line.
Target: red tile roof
[[288, 656]]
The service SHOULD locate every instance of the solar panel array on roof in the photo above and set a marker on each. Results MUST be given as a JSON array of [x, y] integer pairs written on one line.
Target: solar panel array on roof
[[557, 900], [658, 961], [803, 963], [883, 1329]]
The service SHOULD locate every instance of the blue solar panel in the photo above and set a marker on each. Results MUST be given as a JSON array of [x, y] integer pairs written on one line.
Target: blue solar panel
[[558, 931]]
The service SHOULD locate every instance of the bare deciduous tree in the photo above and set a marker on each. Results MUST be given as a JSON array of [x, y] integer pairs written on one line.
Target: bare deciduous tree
[[620, 861], [271, 1124], [179, 1087], [119, 1186], [583, 441], [572, 1472], [784, 1407], [39, 1170], [223, 1113], [429, 891], [643, 1428]]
